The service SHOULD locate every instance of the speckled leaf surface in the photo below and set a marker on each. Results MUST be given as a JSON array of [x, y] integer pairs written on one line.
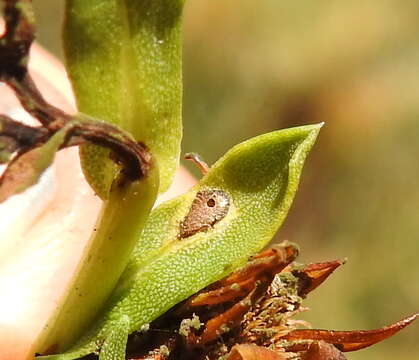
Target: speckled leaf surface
[[124, 62], [261, 177], [114, 346]]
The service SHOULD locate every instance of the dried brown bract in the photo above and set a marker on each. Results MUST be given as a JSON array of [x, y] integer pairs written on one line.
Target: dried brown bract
[[249, 316]]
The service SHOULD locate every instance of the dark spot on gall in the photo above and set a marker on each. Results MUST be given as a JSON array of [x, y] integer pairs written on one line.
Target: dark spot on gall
[[211, 202]]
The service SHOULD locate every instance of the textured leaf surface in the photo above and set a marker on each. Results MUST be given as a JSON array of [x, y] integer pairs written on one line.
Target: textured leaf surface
[[261, 177], [114, 346], [124, 62]]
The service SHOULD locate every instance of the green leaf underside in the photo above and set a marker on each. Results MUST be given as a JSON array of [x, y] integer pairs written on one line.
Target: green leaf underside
[[261, 176], [122, 218], [124, 61], [115, 343]]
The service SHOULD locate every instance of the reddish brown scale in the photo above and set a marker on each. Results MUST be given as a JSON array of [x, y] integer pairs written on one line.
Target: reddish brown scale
[[253, 352], [351, 340], [224, 294], [232, 317], [273, 260], [242, 282], [274, 309], [313, 275], [248, 283]]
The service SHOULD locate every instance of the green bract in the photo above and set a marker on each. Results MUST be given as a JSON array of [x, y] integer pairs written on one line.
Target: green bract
[[124, 62], [260, 176]]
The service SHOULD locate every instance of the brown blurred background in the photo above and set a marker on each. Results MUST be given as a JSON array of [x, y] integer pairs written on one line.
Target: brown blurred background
[[256, 66]]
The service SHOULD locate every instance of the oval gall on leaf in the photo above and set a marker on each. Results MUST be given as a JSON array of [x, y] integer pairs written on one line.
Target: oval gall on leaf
[[208, 208]]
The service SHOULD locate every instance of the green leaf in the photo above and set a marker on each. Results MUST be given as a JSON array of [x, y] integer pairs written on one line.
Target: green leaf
[[124, 62], [260, 177]]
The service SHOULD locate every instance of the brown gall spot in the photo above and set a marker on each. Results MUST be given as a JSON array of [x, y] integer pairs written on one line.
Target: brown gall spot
[[208, 208]]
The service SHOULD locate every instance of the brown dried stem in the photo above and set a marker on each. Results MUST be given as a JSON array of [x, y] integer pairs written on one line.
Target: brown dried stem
[[23, 135]]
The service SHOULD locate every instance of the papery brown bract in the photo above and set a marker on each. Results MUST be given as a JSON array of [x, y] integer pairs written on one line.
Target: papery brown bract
[[320, 350], [254, 352], [248, 315]]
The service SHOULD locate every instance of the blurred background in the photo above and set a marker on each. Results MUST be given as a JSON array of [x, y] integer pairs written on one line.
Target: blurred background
[[255, 66]]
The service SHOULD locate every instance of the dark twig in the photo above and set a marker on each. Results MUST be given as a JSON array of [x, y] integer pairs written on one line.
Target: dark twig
[[17, 39], [14, 53], [14, 49], [133, 156], [25, 136], [34, 103]]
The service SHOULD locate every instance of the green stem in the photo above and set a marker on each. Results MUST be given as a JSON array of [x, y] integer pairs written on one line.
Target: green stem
[[121, 220], [124, 62]]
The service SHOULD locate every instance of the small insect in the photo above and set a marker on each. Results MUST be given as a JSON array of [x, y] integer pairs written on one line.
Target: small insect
[[208, 208]]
